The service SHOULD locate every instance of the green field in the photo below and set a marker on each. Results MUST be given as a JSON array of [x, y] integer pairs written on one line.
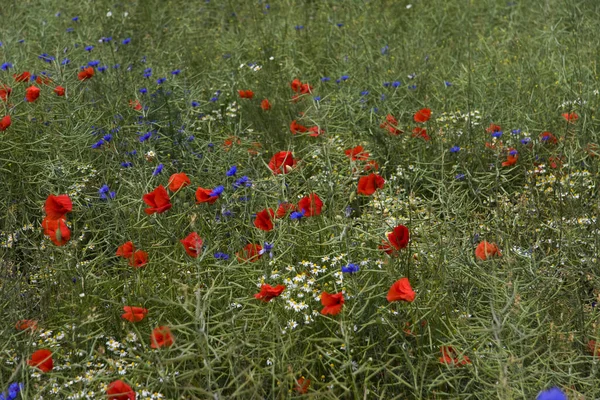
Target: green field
[[497, 189]]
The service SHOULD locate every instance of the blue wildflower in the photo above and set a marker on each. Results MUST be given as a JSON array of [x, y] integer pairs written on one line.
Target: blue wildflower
[[385, 50], [460, 177], [232, 171], [513, 152], [344, 77], [147, 72], [213, 99], [116, 66], [145, 137], [454, 149], [69, 30], [497, 134], [143, 90], [395, 84], [221, 256], [75, 19], [243, 181], [515, 131], [89, 48], [325, 79], [217, 191], [386, 84], [106, 193], [348, 211], [98, 144], [297, 215], [65, 61], [46, 57], [350, 268], [382, 97], [364, 93], [106, 39], [267, 248], [413, 87], [127, 164], [126, 41], [160, 81], [93, 63], [552, 394], [317, 98], [339, 24], [158, 169], [176, 72], [102, 68], [298, 27], [107, 137], [6, 66], [526, 140]]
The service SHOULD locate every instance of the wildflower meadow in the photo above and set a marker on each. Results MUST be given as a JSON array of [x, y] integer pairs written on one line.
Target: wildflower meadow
[[320, 199]]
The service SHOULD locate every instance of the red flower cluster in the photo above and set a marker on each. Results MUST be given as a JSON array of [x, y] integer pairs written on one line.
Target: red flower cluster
[[137, 258], [391, 125], [300, 88], [268, 292], [192, 244], [178, 181], [55, 222], [134, 314], [282, 162], [246, 94], [85, 74], [264, 219], [451, 357], [161, 337], [158, 201], [367, 185], [396, 240], [486, 250]]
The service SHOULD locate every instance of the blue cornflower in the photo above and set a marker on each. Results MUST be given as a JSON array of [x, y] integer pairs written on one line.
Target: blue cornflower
[[344, 77], [348, 211], [106, 39], [145, 137], [297, 215], [412, 87], [513, 152], [107, 137], [106, 193], [160, 81], [364, 93], [267, 248], [386, 84], [221, 256], [232, 171], [460, 177], [147, 72], [448, 84], [102, 68], [243, 181], [89, 48], [93, 63], [6, 66], [126, 41], [454, 149], [384, 50], [75, 19], [552, 394], [317, 98], [127, 164], [526, 140], [158, 169], [213, 99], [395, 84], [143, 90], [382, 97], [217, 191], [325, 79], [69, 30], [497, 134], [116, 66], [298, 27], [350, 268], [176, 72], [65, 61], [195, 104], [98, 144], [339, 24], [46, 57], [515, 131]]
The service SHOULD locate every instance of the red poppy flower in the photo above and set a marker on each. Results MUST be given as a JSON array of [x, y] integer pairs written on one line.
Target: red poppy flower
[[126, 250], [250, 253], [230, 141], [310, 205], [135, 104], [485, 250], [371, 165], [254, 148], [119, 390], [43, 80], [57, 230], [401, 291], [422, 115], [511, 159], [268, 292], [306, 88], [284, 209], [204, 196], [332, 303], [24, 324], [32, 93], [134, 314], [265, 105], [5, 123], [192, 244], [178, 181], [302, 385], [282, 162], [161, 337], [139, 259], [548, 137], [391, 125], [315, 131], [571, 117], [451, 357], [593, 348], [397, 239], [555, 161], [59, 90], [263, 220], [42, 359], [420, 132], [357, 153], [296, 85], [5, 91], [367, 185], [295, 127], [158, 201], [57, 206], [246, 94], [85, 73], [493, 128], [23, 77]]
